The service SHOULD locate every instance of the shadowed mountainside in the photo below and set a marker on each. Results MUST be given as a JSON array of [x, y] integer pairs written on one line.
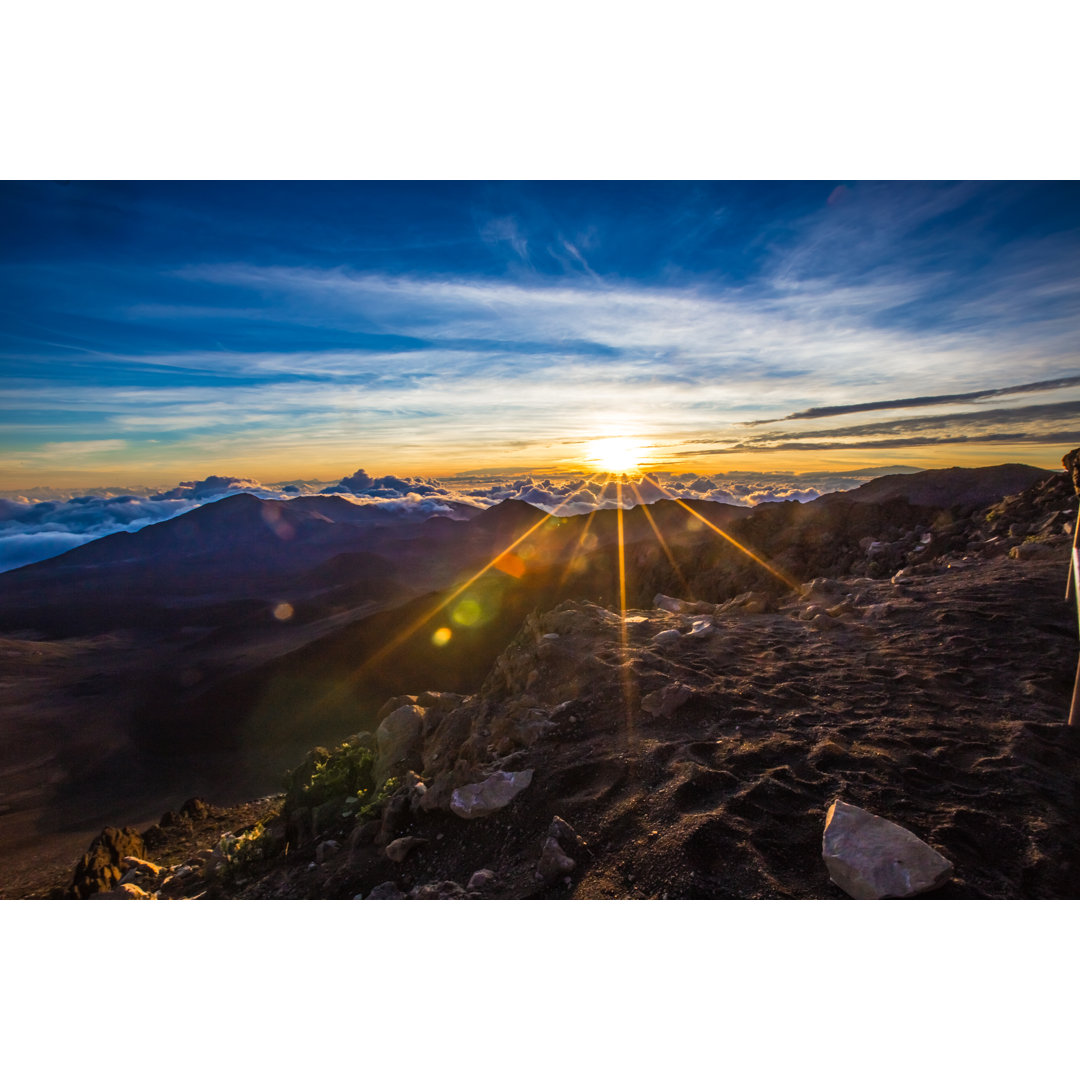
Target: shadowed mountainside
[[955, 487], [693, 755]]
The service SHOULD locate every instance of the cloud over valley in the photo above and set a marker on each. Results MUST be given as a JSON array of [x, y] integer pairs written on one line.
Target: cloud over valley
[[33, 528]]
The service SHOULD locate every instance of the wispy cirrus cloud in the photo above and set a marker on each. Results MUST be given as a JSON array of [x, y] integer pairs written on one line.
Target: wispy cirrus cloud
[[517, 326]]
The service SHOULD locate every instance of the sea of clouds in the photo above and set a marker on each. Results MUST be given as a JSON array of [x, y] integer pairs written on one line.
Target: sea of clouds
[[37, 524]]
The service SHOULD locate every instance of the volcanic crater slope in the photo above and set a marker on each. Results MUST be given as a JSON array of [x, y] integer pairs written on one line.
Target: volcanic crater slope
[[692, 753], [691, 747]]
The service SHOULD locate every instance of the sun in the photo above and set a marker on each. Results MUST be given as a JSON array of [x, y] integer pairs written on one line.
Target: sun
[[614, 455]]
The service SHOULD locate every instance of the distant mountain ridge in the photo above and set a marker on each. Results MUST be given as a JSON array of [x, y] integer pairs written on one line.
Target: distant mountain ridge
[[265, 550], [268, 527], [943, 488]]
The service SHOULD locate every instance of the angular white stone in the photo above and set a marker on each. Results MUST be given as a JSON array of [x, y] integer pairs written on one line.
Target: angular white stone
[[669, 603], [667, 700], [477, 800], [872, 858], [397, 850], [554, 862], [682, 607], [480, 880]]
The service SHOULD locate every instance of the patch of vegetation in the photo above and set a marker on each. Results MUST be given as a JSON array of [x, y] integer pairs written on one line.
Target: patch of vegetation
[[325, 775], [246, 851], [255, 845], [338, 783]]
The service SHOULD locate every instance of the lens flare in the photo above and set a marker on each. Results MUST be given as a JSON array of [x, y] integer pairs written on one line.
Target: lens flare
[[467, 612], [408, 631], [511, 564], [442, 636]]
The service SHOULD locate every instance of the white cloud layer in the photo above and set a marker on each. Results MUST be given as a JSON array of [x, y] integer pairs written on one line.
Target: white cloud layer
[[32, 529]]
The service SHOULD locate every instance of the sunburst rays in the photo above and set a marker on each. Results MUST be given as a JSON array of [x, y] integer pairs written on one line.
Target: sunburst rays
[[419, 623], [626, 675]]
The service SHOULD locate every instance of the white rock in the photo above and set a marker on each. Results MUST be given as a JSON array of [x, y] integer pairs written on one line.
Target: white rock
[[554, 862], [123, 892], [667, 700], [878, 611], [478, 800], [666, 637], [386, 891], [820, 586], [397, 850], [480, 880], [564, 832], [872, 858], [756, 604], [701, 627], [682, 607], [668, 603], [142, 873]]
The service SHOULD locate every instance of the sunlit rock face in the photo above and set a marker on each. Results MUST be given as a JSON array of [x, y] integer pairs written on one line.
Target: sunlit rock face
[[397, 741]]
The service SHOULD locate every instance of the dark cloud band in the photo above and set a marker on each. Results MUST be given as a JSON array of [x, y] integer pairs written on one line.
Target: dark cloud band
[[1050, 438], [922, 402]]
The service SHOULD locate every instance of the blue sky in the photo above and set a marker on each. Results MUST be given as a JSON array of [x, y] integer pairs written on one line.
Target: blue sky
[[156, 332]]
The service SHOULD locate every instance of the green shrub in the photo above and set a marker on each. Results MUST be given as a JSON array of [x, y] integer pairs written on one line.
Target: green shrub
[[345, 773]]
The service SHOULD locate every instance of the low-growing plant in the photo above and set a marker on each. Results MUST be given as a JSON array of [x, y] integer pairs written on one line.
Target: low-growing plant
[[345, 773], [255, 845]]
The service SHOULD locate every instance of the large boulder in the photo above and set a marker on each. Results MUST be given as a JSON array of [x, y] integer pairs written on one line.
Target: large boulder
[[872, 858], [100, 869], [397, 743]]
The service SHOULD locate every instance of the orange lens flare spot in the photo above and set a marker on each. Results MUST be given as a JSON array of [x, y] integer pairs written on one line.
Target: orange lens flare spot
[[511, 564], [283, 612], [442, 636]]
